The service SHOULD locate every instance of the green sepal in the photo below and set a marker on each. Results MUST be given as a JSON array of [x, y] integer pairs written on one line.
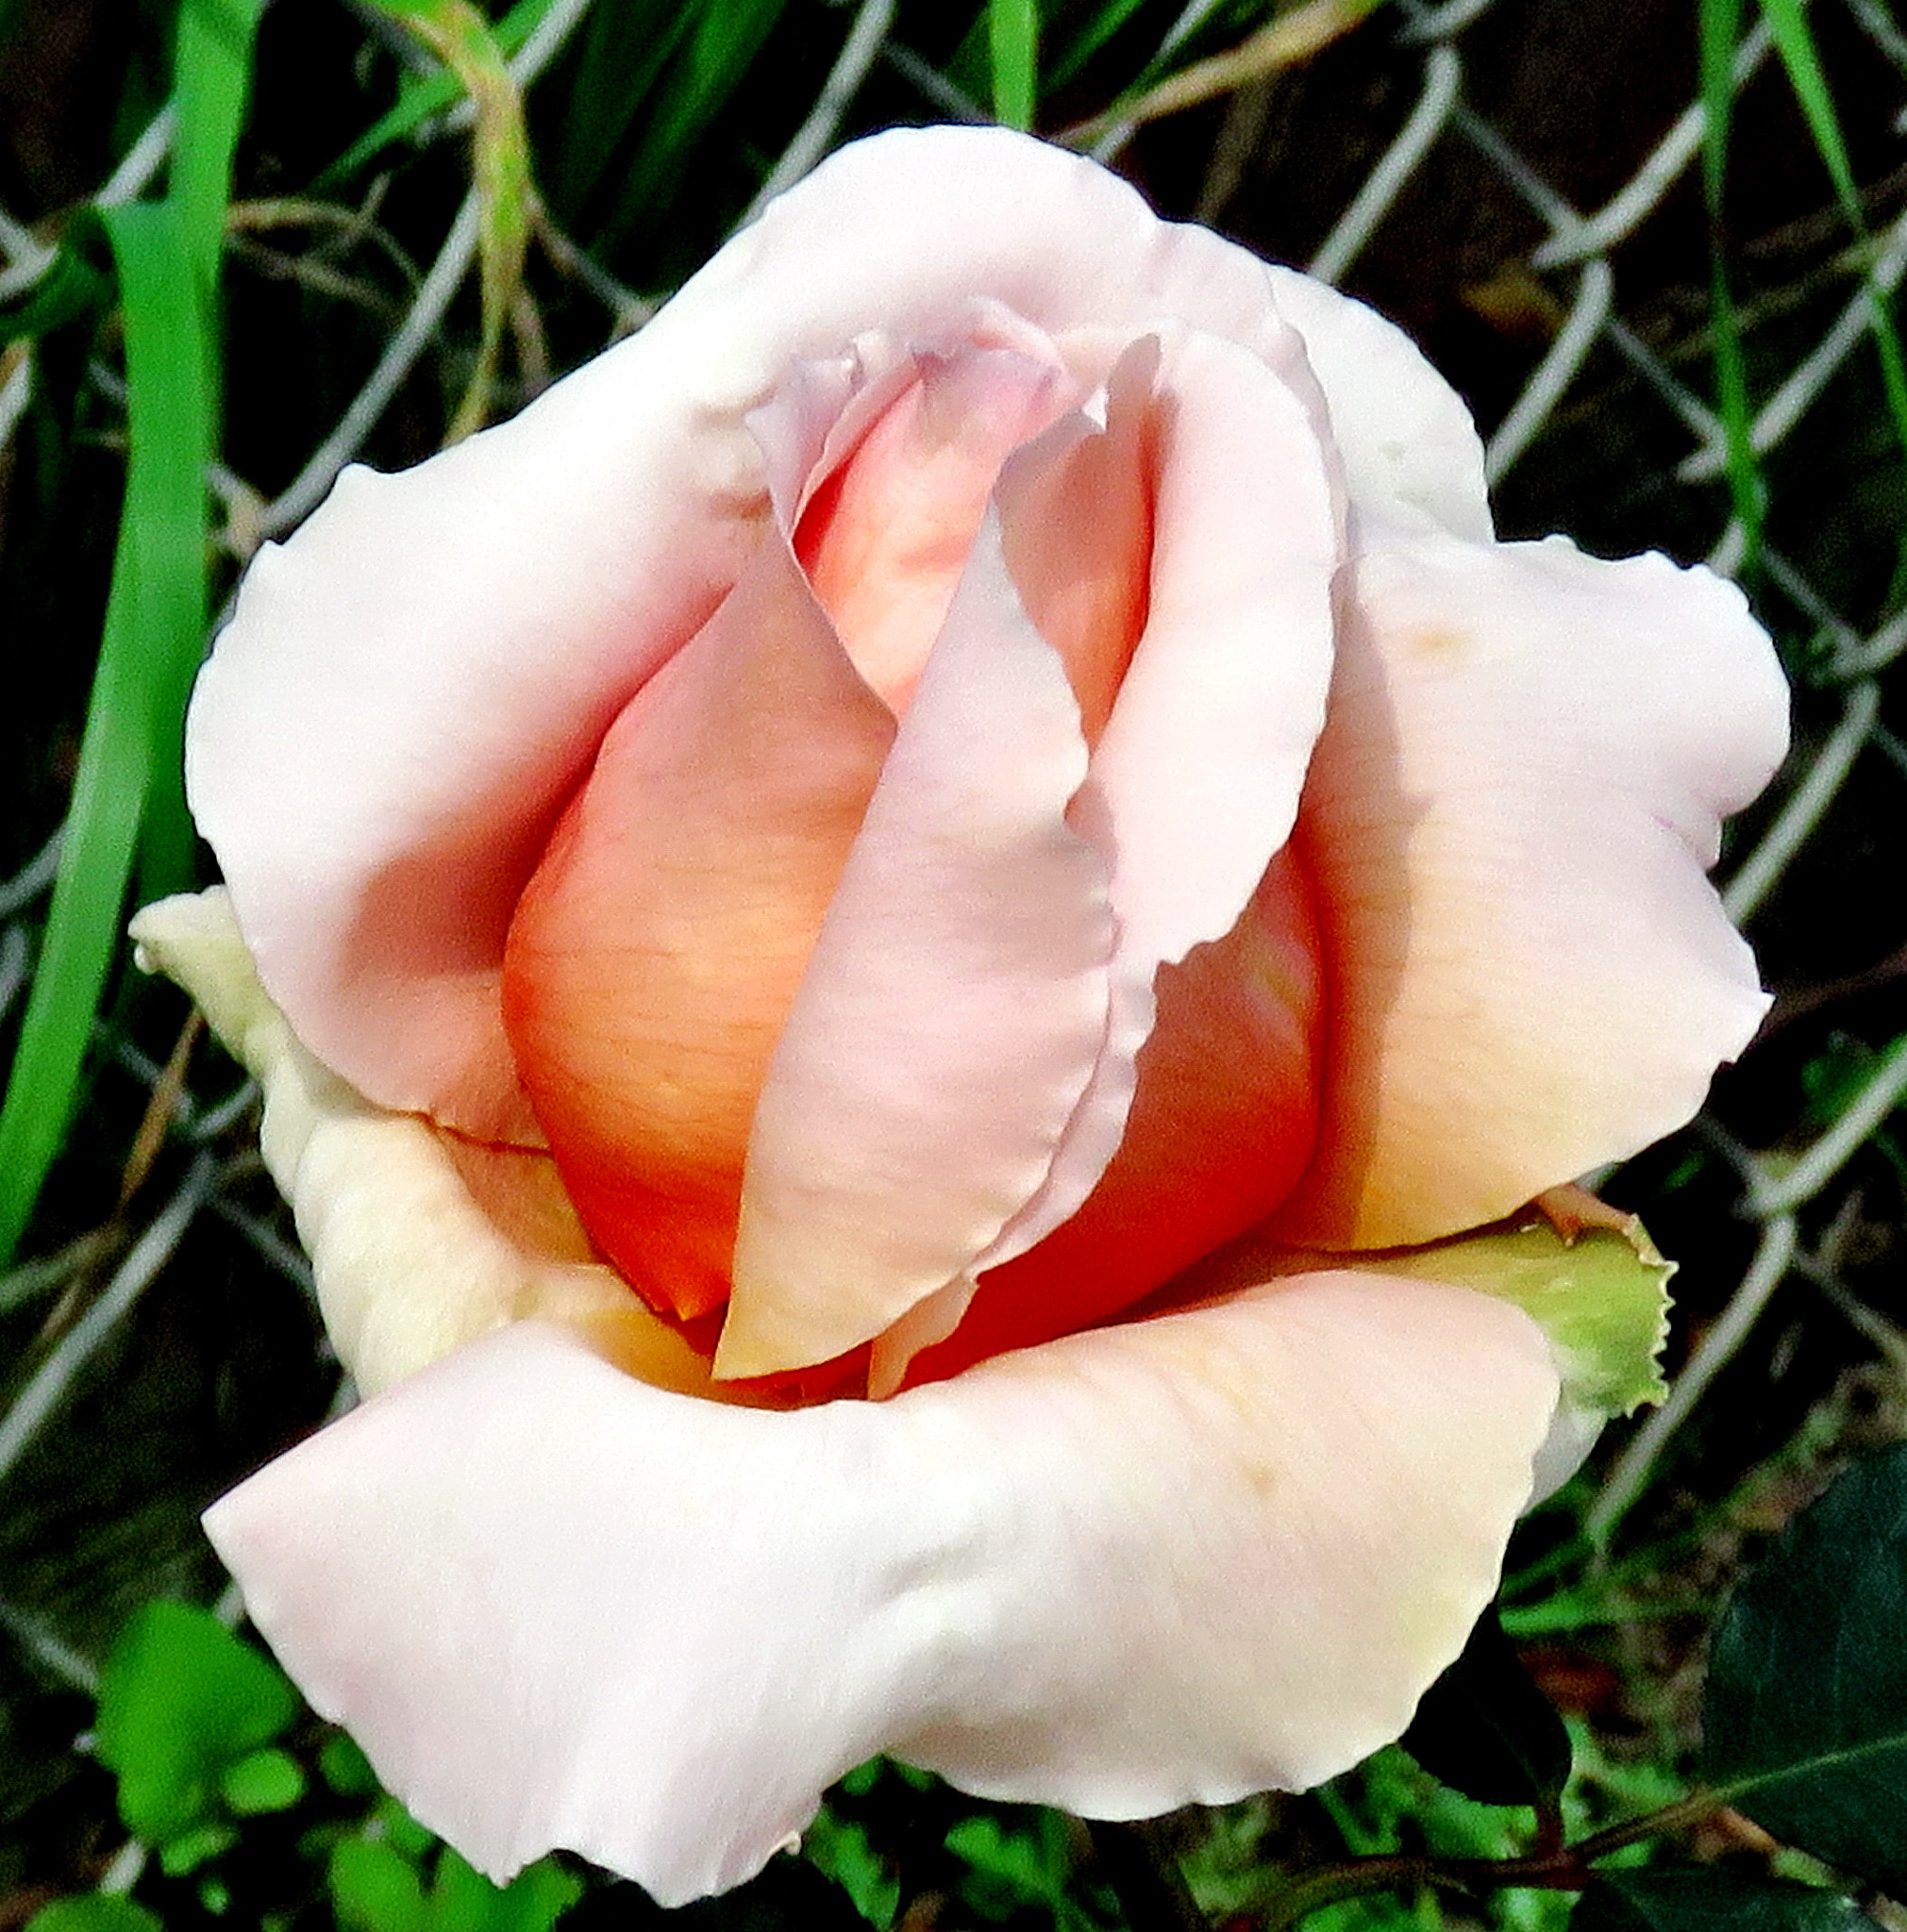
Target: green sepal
[[1600, 1296]]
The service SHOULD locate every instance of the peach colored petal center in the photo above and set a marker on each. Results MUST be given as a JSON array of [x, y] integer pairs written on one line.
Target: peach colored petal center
[[654, 956], [884, 540]]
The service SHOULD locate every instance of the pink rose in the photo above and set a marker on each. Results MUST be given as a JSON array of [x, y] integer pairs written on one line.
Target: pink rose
[[968, 809]]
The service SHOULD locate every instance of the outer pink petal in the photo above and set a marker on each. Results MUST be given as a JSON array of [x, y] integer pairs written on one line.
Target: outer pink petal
[[952, 1008], [1528, 756], [1412, 455], [1194, 783], [1173, 1562], [410, 687]]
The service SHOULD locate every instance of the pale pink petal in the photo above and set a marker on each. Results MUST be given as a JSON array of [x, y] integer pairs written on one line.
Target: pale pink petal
[[1412, 455], [1194, 782], [653, 957], [409, 688], [1075, 527], [1168, 1563], [1508, 821], [952, 1009]]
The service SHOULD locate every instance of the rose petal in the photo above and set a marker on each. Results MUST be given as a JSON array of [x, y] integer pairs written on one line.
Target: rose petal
[[1411, 452], [559, 1609], [1223, 1121], [885, 538], [1528, 756], [1076, 529], [952, 1009], [1194, 783], [407, 1265], [411, 688], [655, 955]]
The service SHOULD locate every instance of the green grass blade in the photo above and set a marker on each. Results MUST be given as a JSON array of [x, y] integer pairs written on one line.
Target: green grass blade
[[613, 87], [1088, 40], [1719, 26], [1788, 27], [155, 630], [722, 40], [214, 75], [1795, 41], [1013, 41], [420, 97], [213, 79]]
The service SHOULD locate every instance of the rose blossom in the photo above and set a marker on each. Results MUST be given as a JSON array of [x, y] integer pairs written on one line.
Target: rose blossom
[[984, 771]]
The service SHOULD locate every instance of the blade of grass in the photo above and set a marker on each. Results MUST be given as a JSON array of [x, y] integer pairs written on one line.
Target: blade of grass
[[1013, 42], [155, 617], [1794, 43], [213, 71], [1719, 31], [615, 83], [1087, 41], [127, 794], [702, 76], [421, 96], [459, 35]]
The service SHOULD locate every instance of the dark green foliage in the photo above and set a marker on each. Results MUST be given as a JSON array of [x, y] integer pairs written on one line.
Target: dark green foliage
[[1697, 1900], [102, 1912], [1805, 1721], [1485, 1731]]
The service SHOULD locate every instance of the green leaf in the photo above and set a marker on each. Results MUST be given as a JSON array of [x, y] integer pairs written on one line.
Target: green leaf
[[842, 1849], [196, 1847], [104, 1911], [1702, 1899], [181, 1699], [375, 1888], [1805, 1714], [463, 1900], [1016, 1863], [1485, 1731], [269, 1780], [391, 1821], [344, 1767]]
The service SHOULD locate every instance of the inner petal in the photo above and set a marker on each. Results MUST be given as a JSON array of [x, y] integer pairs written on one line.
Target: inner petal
[[884, 540], [654, 957], [1075, 523], [1224, 1119]]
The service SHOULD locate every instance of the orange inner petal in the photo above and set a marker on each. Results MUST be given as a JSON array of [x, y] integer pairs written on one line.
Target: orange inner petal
[[654, 957], [1223, 1123], [885, 538]]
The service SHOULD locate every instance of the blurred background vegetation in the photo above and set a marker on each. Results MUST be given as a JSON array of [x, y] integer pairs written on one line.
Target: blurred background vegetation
[[1655, 243]]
